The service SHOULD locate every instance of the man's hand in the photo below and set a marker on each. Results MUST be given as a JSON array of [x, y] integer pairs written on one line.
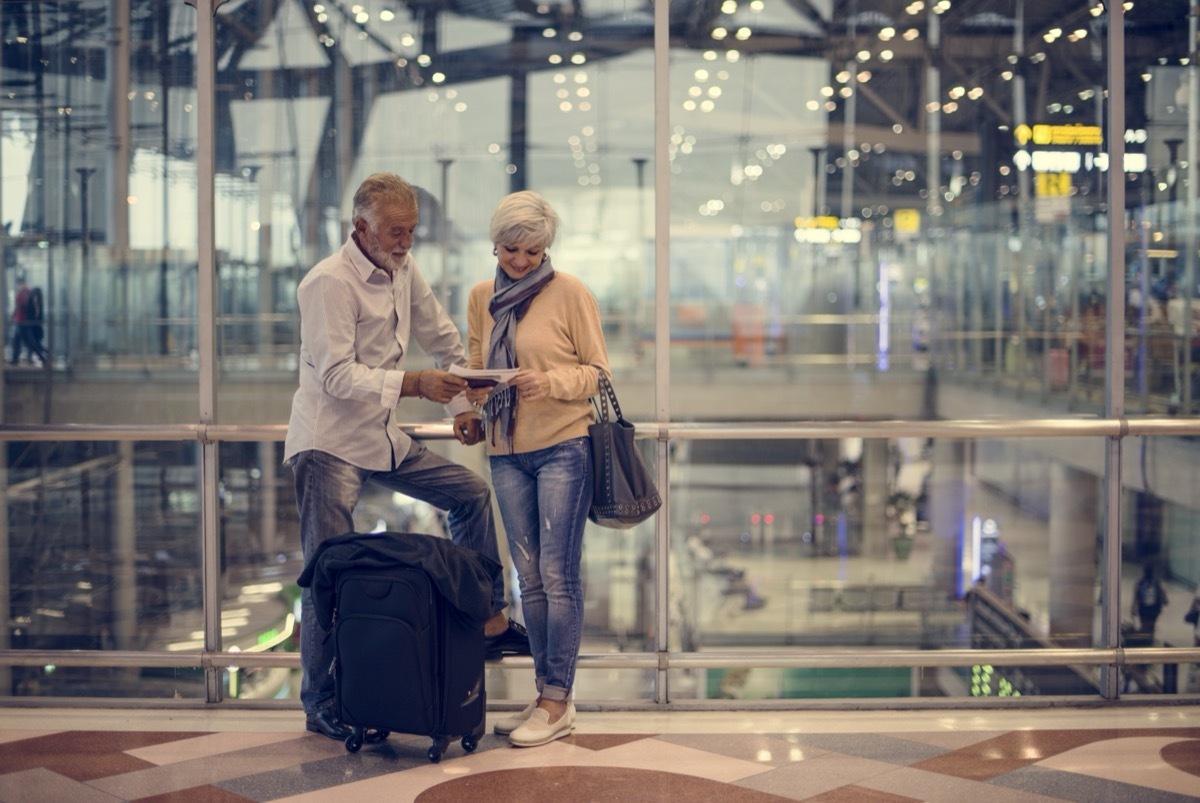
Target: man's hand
[[438, 386], [468, 428]]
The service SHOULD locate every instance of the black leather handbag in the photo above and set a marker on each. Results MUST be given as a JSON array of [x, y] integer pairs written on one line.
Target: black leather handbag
[[623, 491]]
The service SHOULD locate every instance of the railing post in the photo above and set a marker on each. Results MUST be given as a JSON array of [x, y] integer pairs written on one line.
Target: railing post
[[206, 99], [1114, 368]]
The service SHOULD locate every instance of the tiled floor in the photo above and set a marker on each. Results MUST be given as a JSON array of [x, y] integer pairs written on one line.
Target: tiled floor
[[1122, 753]]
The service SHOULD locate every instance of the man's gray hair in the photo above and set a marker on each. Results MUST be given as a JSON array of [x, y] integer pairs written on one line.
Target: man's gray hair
[[381, 188], [524, 218]]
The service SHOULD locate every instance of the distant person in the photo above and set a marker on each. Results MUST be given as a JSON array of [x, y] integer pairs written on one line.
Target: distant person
[[1149, 598], [20, 302], [35, 315], [1193, 616], [27, 316], [546, 325], [361, 312]]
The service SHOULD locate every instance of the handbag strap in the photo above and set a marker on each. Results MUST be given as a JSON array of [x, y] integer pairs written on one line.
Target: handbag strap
[[606, 396], [611, 394]]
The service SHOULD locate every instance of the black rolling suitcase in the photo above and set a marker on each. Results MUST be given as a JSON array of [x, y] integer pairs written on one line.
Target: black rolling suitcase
[[406, 660]]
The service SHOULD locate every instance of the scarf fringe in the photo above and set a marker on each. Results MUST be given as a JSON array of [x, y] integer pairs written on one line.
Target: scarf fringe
[[501, 406]]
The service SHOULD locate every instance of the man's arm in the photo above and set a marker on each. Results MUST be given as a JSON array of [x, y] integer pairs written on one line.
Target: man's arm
[[432, 327]]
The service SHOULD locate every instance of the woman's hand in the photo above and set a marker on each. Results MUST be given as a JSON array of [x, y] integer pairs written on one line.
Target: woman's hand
[[531, 385], [477, 396]]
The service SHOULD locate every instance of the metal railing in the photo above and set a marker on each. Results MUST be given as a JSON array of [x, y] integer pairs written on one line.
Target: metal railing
[[213, 661]]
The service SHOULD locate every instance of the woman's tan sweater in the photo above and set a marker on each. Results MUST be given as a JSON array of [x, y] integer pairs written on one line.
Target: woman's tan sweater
[[559, 335]]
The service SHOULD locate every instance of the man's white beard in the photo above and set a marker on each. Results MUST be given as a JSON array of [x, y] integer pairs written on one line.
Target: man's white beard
[[380, 257]]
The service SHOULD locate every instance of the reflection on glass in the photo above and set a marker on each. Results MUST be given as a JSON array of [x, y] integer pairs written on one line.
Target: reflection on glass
[[910, 544], [103, 546]]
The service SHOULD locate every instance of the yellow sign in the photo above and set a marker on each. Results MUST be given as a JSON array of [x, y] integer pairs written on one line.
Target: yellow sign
[[1042, 134], [907, 221], [1053, 185]]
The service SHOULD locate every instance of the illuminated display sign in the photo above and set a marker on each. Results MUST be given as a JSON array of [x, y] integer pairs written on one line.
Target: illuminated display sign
[[1053, 185], [827, 229], [907, 221], [1059, 135], [1072, 161]]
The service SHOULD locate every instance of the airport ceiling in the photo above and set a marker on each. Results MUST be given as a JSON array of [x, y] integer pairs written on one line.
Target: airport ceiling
[[1061, 55]]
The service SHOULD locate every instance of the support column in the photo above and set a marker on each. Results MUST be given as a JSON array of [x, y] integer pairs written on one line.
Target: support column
[[125, 584], [874, 498], [268, 465], [1072, 555], [947, 513]]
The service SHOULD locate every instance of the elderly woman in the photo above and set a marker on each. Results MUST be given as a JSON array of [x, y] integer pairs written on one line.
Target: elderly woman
[[546, 325]]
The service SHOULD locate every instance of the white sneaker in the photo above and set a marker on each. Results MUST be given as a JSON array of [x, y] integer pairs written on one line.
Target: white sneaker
[[510, 723], [539, 730]]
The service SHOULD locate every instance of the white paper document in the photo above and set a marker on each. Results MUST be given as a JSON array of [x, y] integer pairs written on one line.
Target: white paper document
[[483, 377]]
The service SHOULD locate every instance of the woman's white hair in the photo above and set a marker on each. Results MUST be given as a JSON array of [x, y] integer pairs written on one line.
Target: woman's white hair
[[524, 218]]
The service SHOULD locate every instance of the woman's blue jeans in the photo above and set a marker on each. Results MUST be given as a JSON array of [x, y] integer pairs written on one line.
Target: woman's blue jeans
[[544, 498]]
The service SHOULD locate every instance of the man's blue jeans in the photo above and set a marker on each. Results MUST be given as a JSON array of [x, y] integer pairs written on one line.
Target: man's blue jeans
[[327, 489], [544, 498]]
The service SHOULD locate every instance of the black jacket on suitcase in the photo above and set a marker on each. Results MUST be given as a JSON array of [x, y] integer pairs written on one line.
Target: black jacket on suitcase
[[406, 612]]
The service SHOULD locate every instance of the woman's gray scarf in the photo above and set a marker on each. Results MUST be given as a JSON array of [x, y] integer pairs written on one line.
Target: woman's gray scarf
[[510, 301]]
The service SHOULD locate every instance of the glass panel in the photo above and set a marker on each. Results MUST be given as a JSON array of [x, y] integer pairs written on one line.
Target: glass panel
[[912, 544], [99, 205], [102, 544], [1161, 569], [260, 561], [490, 103]]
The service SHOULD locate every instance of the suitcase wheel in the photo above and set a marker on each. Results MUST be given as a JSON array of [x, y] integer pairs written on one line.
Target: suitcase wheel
[[360, 736], [440, 743], [469, 743]]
